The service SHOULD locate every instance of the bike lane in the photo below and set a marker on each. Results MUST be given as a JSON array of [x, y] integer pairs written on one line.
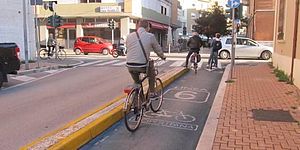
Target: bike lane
[[178, 125]]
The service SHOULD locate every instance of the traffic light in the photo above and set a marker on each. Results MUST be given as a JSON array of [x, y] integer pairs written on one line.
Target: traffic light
[[54, 21], [112, 24], [50, 21], [184, 30], [57, 21]]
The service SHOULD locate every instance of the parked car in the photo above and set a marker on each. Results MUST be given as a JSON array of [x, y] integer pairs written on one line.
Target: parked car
[[92, 44], [9, 60], [245, 48]]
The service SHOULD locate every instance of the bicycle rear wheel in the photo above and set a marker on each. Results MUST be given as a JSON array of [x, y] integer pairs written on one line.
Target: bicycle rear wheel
[[43, 54], [133, 110], [156, 103], [61, 54], [195, 67]]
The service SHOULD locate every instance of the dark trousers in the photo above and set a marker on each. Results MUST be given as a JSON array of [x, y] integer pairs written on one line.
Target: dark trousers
[[192, 50], [136, 71], [213, 59], [50, 49]]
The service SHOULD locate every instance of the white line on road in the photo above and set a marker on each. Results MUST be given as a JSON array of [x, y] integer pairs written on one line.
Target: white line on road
[[120, 64], [51, 71], [91, 63], [23, 78], [106, 63]]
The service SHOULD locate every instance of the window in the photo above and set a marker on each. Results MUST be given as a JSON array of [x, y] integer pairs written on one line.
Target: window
[[193, 15], [228, 41], [281, 20], [163, 10], [252, 43], [85, 39]]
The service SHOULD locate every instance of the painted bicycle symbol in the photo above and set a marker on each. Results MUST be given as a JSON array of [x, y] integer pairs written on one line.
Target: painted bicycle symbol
[[179, 116]]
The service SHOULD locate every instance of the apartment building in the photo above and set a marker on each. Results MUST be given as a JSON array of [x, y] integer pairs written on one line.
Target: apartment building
[[287, 38], [261, 19], [17, 25], [90, 17]]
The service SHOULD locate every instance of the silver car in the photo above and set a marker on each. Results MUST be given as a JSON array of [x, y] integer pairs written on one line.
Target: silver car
[[245, 48]]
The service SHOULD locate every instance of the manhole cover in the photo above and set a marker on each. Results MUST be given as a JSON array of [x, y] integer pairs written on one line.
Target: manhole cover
[[272, 115]]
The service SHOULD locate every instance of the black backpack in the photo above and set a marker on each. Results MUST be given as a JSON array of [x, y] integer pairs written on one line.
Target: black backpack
[[217, 45]]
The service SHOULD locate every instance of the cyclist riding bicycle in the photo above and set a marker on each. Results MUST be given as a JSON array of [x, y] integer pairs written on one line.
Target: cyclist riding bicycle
[[139, 44], [194, 43]]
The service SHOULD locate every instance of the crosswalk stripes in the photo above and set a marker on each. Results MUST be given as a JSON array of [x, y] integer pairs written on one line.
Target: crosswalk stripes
[[23, 78], [120, 63], [107, 63], [170, 63], [91, 63]]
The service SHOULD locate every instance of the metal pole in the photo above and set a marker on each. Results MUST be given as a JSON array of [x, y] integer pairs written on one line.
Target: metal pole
[[37, 35], [233, 42], [112, 33], [25, 34]]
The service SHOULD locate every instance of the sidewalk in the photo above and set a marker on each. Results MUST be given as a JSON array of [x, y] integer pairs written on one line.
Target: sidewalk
[[255, 112], [49, 64]]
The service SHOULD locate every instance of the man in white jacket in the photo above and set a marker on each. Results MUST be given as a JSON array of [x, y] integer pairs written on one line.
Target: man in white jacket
[[136, 60]]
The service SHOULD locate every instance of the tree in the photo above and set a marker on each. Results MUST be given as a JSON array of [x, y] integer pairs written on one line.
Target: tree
[[211, 21]]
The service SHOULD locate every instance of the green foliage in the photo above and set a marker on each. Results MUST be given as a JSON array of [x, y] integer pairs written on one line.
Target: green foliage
[[211, 21], [282, 76]]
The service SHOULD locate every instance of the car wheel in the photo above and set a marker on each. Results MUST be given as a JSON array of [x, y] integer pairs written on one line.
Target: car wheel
[[224, 54], [105, 51], [77, 51], [266, 55], [85, 53]]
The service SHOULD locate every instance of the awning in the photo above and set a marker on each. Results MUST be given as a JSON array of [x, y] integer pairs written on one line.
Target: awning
[[159, 26], [65, 26]]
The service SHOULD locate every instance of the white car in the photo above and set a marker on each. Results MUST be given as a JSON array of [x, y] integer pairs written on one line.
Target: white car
[[245, 48]]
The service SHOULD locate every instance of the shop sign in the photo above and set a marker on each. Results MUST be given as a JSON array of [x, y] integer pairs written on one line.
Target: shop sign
[[109, 9]]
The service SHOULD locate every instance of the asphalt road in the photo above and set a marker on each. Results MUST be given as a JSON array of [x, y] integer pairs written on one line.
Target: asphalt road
[[34, 109], [178, 126]]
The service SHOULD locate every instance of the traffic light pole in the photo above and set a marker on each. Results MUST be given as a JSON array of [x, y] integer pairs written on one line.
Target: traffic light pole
[[112, 36], [233, 43]]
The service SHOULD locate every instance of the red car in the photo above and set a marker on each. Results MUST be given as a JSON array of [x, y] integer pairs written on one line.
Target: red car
[[92, 44]]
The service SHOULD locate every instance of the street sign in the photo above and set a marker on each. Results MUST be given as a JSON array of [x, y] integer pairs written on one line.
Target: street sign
[[233, 3]]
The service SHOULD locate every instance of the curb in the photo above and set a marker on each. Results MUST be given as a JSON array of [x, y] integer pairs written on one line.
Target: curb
[[208, 135], [104, 117], [42, 69]]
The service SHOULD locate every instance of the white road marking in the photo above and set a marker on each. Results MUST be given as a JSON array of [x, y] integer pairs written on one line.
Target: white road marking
[[23, 78], [107, 63], [51, 71], [91, 63], [120, 64], [161, 63]]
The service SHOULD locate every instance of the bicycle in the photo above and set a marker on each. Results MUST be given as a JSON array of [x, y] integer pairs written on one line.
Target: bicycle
[[195, 59], [138, 100], [59, 54]]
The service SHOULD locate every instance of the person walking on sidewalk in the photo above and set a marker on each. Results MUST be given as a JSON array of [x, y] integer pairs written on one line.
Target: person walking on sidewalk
[[194, 43], [139, 44], [216, 46]]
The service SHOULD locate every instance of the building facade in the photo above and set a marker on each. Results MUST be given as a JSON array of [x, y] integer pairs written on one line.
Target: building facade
[[90, 17], [17, 27], [261, 19], [287, 38]]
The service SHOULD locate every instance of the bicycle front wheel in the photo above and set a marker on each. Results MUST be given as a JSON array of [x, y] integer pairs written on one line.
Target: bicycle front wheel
[[43, 54], [157, 102], [133, 110], [61, 54]]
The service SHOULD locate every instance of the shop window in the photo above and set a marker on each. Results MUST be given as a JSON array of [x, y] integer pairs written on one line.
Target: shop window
[[281, 20], [83, 1], [89, 20]]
